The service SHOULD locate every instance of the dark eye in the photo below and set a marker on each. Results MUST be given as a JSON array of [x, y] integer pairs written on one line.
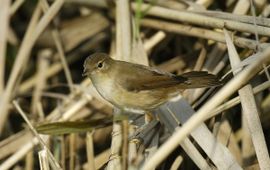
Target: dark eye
[[100, 65]]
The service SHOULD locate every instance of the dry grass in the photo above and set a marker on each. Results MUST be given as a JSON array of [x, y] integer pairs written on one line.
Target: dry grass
[[42, 49]]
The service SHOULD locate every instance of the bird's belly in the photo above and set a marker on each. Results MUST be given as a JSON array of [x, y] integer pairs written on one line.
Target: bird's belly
[[128, 100]]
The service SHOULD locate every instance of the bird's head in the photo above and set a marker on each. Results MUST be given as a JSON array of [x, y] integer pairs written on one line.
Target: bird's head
[[96, 63]]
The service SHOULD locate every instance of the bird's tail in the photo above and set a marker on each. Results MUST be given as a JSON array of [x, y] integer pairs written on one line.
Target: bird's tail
[[200, 79]]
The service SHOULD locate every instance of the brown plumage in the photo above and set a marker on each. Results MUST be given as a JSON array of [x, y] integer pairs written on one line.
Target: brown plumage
[[139, 88]]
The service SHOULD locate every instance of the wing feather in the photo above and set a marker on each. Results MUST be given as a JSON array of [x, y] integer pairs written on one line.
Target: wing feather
[[146, 78]]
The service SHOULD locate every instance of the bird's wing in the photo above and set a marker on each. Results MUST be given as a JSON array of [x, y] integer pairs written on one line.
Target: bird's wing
[[146, 78]]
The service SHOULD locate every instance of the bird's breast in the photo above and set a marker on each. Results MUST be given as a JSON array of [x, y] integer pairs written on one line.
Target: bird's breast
[[104, 85]]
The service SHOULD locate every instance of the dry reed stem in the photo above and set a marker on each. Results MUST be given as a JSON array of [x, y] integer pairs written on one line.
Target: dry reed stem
[[57, 67], [59, 47], [72, 150], [13, 143], [41, 82], [19, 154], [15, 6], [4, 18], [201, 59], [192, 18], [198, 32], [177, 163], [132, 148], [236, 17], [12, 37], [21, 56], [29, 160], [181, 111], [57, 40], [123, 30], [220, 49], [114, 160], [74, 108], [100, 159], [63, 151], [241, 7], [125, 144], [90, 151], [52, 160], [123, 49], [266, 11], [70, 102], [250, 110], [33, 32], [226, 136], [188, 32], [236, 83], [43, 160], [153, 41], [220, 162], [231, 103], [194, 154]]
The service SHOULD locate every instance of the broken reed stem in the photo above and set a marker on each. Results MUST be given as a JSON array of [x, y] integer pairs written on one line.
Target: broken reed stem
[[201, 59], [4, 18], [33, 32], [177, 163], [154, 40], [231, 87]]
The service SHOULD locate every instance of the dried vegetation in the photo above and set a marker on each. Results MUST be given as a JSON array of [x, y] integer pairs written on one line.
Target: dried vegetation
[[42, 48]]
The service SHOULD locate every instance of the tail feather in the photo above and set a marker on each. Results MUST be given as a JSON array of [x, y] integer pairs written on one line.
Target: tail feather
[[200, 79]]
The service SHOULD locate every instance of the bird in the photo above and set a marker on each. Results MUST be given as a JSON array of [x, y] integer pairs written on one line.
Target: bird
[[137, 88]]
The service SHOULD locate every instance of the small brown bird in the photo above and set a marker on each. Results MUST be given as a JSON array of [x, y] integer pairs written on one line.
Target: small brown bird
[[137, 88]]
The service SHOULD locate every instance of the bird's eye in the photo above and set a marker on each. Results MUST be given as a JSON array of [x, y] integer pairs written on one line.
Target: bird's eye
[[100, 65]]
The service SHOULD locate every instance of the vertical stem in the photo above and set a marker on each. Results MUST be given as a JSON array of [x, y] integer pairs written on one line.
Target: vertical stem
[[123, 52], [4, 18], [90, 150]]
